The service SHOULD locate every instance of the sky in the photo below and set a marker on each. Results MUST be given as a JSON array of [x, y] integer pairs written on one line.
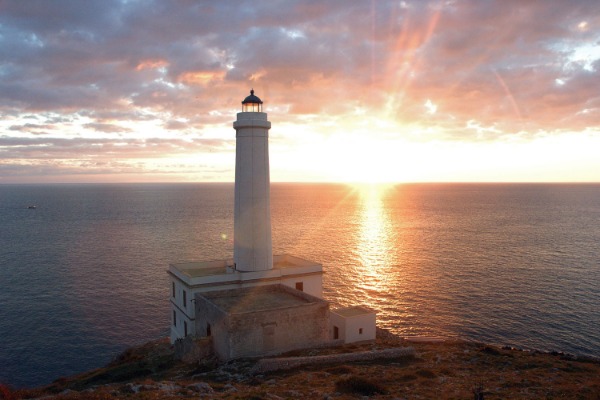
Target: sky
[[356, 91]]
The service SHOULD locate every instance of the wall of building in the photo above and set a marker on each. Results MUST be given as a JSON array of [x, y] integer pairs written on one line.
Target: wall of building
[[312, 284], [337, 326], [251, 334], [210, 317], [182, 310], [277, 331]]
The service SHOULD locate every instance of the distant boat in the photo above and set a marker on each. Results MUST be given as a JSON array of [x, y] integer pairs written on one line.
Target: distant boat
[[32, 207]]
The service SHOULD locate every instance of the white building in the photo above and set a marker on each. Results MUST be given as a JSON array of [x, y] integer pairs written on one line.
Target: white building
[[353, 324], [253, 263]]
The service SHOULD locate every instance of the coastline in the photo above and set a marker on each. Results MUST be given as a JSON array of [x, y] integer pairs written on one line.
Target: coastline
[[438, 368]]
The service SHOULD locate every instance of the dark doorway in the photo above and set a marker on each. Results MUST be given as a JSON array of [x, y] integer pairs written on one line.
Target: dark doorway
[[336, 332], [208, 332]]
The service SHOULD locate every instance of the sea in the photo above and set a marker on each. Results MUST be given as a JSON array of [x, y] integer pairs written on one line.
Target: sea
[[83, 274]]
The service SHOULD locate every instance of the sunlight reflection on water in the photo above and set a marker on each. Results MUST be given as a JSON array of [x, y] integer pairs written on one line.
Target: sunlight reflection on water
[[374, 250]]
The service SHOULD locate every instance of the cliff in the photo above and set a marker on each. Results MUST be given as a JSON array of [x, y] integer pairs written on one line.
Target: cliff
[[432, 370]]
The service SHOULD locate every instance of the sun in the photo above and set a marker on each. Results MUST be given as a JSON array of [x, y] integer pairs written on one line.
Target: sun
[[372, 161]]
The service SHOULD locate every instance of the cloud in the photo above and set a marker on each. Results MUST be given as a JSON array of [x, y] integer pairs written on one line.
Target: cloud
[[34, 129], [84, 148], [140, 70]]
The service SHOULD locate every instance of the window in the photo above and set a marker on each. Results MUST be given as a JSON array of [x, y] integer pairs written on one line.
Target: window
[[336, 332], [174, 318], [300, 286], [360, 331], [173, 289], [184, 298], [184, 328], [208, 332]]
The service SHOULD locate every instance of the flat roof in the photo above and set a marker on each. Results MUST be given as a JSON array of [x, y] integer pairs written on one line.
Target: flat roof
[[258, 298], [209, 271], [354, 311], [197, 269]]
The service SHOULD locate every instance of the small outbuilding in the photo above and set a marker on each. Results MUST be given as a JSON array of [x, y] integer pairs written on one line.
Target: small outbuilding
[[261, 320], [353, 324]]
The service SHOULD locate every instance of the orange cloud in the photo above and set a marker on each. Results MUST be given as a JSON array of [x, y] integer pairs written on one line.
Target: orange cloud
[[200, 77], [151, 64]]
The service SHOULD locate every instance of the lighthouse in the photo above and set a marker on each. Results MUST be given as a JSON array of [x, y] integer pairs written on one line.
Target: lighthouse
[[252, 243], [255, 303]]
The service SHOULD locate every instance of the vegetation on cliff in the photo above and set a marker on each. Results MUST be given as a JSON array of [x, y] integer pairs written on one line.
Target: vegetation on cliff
[[438, 370]]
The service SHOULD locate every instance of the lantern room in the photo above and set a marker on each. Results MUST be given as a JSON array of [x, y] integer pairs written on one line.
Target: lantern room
[[252, 103]]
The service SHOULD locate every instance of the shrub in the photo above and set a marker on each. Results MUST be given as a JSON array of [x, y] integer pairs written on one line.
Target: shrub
[[491, 351], [358, 385], [425, 373], [340, 370], [5, 392]]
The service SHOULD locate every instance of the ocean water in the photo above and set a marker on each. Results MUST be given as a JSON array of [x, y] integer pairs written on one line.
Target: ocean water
[[83, 276]]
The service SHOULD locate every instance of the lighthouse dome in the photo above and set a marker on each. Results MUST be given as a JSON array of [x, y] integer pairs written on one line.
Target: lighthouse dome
[[252, 99], [252, 103]]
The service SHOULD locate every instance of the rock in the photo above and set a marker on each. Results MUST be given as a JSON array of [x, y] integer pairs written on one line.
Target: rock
[[201, 387], [169, 386], [229, 388]]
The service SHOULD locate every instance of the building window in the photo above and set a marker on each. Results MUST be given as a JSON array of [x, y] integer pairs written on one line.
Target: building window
[[174, 318], [208, 332], [184, 328], [360, 331], [184, 298], [336, 332], [300, 286], [173, 289]]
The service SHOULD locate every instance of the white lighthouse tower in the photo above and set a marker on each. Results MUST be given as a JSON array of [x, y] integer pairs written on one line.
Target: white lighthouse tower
[[252, 245]]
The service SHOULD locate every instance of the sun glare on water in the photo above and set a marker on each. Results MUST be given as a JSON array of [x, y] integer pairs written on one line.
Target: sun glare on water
[[374, 243]]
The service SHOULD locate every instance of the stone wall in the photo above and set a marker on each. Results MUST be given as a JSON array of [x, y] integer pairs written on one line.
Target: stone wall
[[285, 363], [277, 331], [191, 350]]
